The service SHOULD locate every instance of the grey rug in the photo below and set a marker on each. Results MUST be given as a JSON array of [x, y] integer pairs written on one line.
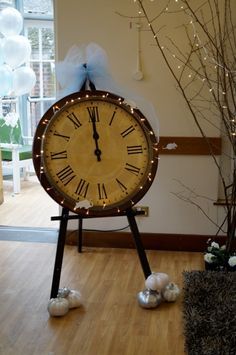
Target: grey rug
[[209, 307]]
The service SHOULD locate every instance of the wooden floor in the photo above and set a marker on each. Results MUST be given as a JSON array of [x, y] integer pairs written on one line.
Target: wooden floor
[[32, 207], [110, 321]]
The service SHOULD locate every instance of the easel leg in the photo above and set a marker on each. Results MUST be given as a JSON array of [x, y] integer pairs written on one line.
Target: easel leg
[[59, 253], [138, 242], [80, 235]]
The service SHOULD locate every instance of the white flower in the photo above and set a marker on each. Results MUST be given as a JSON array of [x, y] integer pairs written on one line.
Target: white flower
[[11, 119], [232, 261], [215, 245], [209, 258], [223, 247]]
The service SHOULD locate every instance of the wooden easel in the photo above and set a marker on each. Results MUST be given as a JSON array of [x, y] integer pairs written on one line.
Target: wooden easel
[[130, 213]]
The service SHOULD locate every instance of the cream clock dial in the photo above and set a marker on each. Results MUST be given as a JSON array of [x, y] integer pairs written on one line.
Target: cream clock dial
[[94, 154]]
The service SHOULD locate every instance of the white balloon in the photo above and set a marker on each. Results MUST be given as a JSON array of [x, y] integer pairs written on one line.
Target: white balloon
[[11, 22], [5, 80], [24, 80], [16, 50]]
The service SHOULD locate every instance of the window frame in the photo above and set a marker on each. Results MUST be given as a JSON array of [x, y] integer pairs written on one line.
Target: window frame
[[23, 102], [27, 100]]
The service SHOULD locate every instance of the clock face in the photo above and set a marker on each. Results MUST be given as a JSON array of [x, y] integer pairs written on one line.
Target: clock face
[[94, 154]]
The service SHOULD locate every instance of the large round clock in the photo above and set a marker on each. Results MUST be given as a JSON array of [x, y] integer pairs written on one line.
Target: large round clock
[[94, 154]]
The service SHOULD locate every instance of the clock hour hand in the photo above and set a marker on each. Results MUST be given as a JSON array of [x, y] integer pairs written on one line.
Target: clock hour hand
[[97, 151]]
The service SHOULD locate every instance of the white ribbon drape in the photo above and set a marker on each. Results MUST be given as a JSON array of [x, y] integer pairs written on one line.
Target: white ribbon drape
[[89, 63]]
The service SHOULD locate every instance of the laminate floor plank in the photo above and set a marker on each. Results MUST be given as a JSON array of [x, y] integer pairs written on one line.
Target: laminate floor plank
[[32, 207], [110, 322]]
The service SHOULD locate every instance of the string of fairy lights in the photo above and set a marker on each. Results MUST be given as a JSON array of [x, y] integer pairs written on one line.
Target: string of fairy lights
[[224, 74]]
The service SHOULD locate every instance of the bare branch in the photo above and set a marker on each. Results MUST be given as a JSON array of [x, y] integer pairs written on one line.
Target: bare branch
[[204, 69]]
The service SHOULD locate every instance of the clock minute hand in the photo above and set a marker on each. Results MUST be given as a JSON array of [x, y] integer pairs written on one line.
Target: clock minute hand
[[97, 151]]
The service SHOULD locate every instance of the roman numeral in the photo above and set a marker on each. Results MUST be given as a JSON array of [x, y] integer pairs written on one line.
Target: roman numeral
[[82, 188], [59, 155], [112, 118], [132, 169], [66, 175], [72, 117], [93, 113], [102, 194], [67, 138], [121, 186], [127, 131], [134, 149]]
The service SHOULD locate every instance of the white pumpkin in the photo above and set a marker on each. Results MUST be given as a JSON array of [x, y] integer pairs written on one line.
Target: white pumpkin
[[151, 282], [171, 292], [162, 280], [157, 281], [74, 298], [58, 307]]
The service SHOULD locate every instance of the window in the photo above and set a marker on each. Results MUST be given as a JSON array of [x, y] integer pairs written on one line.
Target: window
[[38, 28], [35, 7], [41, 36]]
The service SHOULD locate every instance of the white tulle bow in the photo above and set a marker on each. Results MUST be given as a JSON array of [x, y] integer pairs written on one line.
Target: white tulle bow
[[90, 64]]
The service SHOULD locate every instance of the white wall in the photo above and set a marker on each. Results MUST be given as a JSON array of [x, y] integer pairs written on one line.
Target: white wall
[[85, 21]]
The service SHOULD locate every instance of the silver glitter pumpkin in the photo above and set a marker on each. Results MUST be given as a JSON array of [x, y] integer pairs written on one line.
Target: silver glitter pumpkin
[[63, 292], [149, 298]]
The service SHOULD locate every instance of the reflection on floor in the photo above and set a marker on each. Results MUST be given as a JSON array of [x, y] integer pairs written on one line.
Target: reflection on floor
[[27, 234]]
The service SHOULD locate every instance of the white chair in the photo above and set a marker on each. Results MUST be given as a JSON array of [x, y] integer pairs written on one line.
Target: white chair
[[16, 154]]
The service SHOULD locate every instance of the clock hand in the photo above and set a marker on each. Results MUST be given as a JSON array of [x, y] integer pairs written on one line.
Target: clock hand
[[97, 151]]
